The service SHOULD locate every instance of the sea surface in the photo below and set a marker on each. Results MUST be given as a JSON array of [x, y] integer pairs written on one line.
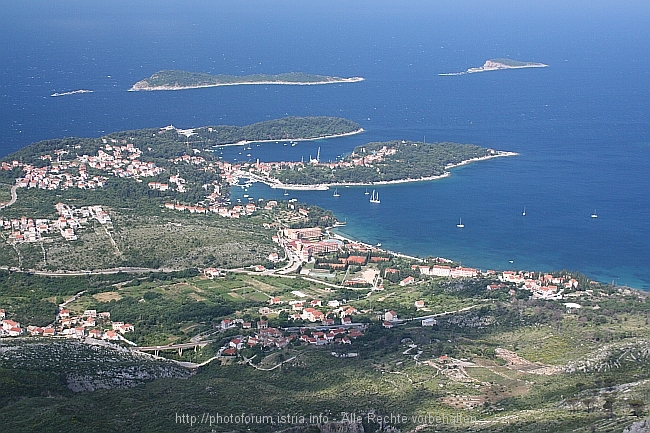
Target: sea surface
[[581, 125]]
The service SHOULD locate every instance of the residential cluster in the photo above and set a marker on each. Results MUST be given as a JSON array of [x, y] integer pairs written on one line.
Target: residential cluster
[[58, 176], [235, 211], [70, 218], [175, 179], [236, 171], [543, 286], [268, 337], [120, 160], [90, 323]]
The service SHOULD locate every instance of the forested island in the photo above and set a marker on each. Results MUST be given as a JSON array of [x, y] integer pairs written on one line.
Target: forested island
[[181, 80], [499, 64], [376, 163]]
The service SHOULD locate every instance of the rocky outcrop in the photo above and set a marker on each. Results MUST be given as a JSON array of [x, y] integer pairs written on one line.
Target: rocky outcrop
[[639, 427]]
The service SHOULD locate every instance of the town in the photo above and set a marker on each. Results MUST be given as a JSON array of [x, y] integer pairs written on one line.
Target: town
[[70, 219]]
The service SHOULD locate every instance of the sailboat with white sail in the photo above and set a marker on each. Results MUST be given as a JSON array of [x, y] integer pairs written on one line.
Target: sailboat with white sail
[[374, 198]]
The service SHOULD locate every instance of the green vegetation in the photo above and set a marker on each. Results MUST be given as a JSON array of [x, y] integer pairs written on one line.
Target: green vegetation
[[174, 80], [496, 356], [600, 377], [142, 233], [411, 160], [161, 144]]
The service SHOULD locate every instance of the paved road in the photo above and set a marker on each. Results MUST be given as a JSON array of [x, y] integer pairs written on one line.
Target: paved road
[[14, 197]]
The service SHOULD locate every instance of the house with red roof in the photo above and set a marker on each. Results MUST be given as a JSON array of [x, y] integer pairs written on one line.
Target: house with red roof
[[355, 333], [111, 335], [390, 316], [15, 332], [229, 352], [312, 315]]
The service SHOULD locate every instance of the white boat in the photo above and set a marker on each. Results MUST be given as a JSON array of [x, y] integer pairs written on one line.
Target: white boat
[[336, 193], [524, 212], [460, 224], [285, 192], [594, 215], [374, 198], [367, 193]]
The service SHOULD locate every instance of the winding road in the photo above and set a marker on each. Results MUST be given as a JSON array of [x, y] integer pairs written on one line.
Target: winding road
[[14, 197]]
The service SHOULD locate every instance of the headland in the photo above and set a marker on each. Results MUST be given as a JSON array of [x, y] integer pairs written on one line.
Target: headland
[[383, 163]]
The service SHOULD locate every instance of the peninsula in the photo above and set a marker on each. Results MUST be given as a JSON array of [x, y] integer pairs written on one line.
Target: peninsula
[[127, 272], [499, 64], [371, 164], [181, 80]]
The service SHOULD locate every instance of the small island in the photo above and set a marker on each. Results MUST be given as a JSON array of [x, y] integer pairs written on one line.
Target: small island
[[377, 163], [181, 80], [499, 64], [73, 92]]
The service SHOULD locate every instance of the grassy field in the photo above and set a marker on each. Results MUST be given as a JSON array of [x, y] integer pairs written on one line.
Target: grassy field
[[564, 370]]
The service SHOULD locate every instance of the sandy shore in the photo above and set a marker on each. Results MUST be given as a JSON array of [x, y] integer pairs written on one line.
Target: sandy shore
[[143, 86], [282, 140], [326, 186]]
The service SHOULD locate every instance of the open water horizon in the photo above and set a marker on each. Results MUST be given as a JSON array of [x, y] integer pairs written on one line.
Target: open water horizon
[[580, 125]]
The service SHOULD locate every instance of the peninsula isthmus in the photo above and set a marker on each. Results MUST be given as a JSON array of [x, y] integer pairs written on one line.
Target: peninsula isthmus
[[181, 80], [499, 64]]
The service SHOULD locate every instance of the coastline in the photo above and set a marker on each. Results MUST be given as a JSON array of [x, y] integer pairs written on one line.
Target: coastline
[[493, 67], [324, 137], [138, 87], [326, 186], [342, 237]]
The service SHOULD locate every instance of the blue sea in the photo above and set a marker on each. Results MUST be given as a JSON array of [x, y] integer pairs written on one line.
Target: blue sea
[[581, 125]]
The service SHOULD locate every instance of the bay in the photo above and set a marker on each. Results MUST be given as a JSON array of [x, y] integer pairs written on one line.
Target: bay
[[581, 125]]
